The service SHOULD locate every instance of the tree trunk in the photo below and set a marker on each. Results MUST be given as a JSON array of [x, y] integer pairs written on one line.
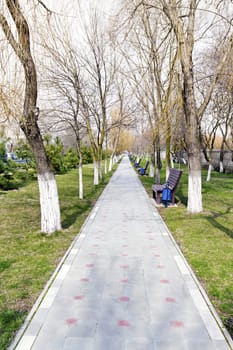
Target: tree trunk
[[157, 176], [221, 167], [110, 163], [80, 176], [185, 40], [210, 167], [50, 210], [192, 141], [221, 157], [152, 162], [100, 170], [171, 161], [96, 172], [168, 148], [106, 165], [167, 171], [194, 185], [49, 203], [152, 170], [158, 161]]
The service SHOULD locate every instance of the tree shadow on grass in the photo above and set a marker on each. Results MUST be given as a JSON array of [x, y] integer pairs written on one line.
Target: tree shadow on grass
[[181, 196], [2, 193], [212, 220], [81, 207], [10, 320], [71, 213]]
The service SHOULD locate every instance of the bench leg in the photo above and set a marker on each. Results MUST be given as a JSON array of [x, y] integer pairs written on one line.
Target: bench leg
[[173, 198], [158, 198]]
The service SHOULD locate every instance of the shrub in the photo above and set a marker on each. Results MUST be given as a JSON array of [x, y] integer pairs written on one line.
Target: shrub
[[86, 154], [71, 159]]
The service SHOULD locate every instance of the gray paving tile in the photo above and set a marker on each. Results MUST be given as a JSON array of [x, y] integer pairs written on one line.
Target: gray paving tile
[[107, 343], [221, 345], [171, 345], [84, 328], [140, 344], [206, 345], [75, 343], [52, 336]]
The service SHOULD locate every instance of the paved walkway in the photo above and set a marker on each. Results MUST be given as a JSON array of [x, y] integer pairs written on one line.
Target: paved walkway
[[124, 285]]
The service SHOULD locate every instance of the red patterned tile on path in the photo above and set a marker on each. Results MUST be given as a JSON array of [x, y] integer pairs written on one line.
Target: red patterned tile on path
[[170, 300], [89, 265], [177, 324], [160, 266], [71, 321], [124, 280], [84, 279], [123, 323], [124, 266], [78, 297], [124, 298], [164, 281]]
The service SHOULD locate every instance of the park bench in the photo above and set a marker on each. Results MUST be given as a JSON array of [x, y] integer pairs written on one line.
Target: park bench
[[142, 171], [172, 183], [132, 158], [137, 164]]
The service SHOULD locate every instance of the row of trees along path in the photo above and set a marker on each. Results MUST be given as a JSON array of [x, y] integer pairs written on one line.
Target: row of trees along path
[[143, 65]]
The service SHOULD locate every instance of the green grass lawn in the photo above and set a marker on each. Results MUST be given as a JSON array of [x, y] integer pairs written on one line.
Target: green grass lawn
[[27, 257], [206, 239]]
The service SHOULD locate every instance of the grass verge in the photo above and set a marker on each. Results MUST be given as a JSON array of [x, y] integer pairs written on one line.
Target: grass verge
[[206, 239], [27, 257]]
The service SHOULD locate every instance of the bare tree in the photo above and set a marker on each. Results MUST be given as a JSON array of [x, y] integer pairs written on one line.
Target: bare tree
[[20, 43], [62, 78], [98, 71], [217, 119], [121, 117], [182, 19], [153, 78]]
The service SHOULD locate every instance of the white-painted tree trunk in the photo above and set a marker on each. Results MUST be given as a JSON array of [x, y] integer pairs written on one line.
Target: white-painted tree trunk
[[184, 161], [100, 169], [80, 170], [171, 160], [49, 203], [157, 174], [209, 172], [96, 173], [167, 171], [110, 163], [106, 166], [152, 170], [194, 192], [221, 168]]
